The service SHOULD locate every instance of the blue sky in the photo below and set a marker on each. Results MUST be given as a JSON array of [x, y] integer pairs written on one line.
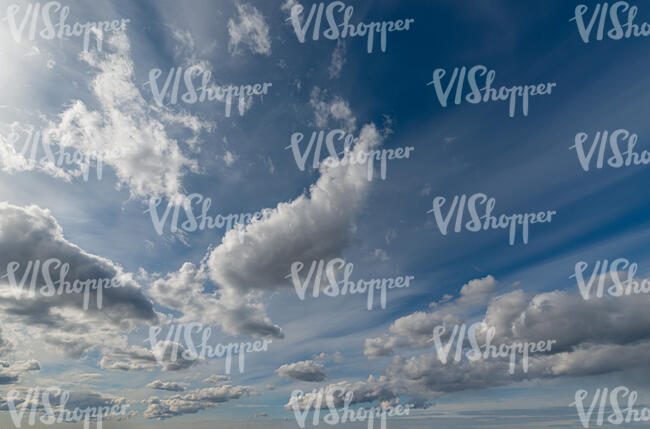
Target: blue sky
[[101, 100]]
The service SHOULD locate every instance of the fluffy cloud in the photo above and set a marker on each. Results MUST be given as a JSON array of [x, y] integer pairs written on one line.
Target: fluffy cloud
[[416, 329], [250, 29], [591, 337], [370, 390], [307, 370], [166, 354], [257, 258], [171, 386], [261, 259], [193, 401], [29, 234], [149, 162], [10, 373], [217, 379]]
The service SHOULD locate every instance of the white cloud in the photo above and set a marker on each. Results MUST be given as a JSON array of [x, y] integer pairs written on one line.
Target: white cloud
[[381, 255], [307, 370], [327, 108], [10, 373], [591, 337], [193, 401], [251, 30], [217, 379], [59, 322], [229, 158], [150, 163], [170, 386]]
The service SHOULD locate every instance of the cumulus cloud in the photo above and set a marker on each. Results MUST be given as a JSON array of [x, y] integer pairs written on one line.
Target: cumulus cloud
[[10, 373], [255, 259], [171, 386], [416, 329], [148, 161], [590, 337], [258, 259], [217, 379], [193, 401], [250, 28], [166, 354], [363, 391], [30, 234], [75, 399], [307, 370]]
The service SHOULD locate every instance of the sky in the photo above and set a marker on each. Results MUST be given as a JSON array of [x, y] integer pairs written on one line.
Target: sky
[[139, 155]]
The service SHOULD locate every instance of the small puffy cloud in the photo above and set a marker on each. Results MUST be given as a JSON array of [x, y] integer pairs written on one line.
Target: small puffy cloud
[[170, 386], [363, 391], [11, 373], [193, 401], [303, 371], [217, 379]]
